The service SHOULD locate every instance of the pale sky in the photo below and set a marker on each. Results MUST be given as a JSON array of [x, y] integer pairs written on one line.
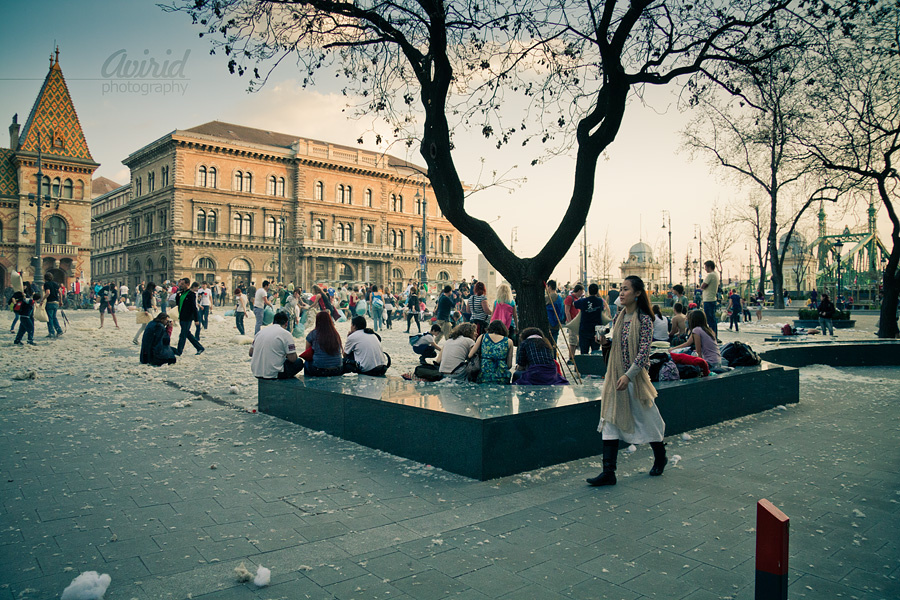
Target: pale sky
[[645, 169]]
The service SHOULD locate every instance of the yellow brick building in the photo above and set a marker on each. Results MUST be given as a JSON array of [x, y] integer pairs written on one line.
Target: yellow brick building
[[220, 201]]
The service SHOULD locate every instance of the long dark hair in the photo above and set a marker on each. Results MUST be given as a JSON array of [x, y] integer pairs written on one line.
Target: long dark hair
[[530, 331], [697, 318], [642, 299], [657, 312], [328, 337]]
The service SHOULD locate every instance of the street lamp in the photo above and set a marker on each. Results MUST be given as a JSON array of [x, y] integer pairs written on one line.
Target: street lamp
[[40, 201], [839, 245], [694, 263], [698, 235], [667, 214], [423, 243]]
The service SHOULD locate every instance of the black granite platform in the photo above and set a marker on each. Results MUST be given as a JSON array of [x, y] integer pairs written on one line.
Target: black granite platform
[[489, 431], [875, 353]]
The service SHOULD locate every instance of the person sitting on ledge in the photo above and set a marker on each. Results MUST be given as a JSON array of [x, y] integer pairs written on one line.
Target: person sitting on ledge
[[456, 351], [535, 364], [273, 354], [363, 351], [426, 345], [702, 338], [323, 354]]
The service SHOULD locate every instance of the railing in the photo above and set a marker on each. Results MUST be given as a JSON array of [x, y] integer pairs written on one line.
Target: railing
[[65, 249]]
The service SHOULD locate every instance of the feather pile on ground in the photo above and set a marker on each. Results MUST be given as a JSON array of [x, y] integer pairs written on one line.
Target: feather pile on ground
[[90, 585]]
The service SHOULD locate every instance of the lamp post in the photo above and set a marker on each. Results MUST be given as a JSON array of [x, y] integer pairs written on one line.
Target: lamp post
[[423, 243], [667, 214], [694, 263], [839, 245], [698, 235], [40, 201]]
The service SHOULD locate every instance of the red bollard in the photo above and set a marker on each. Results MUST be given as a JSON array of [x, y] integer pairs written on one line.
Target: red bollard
[[772, 534]]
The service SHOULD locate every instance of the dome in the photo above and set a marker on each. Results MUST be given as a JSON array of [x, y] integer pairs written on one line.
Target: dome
[[641, 252], [797, 245]]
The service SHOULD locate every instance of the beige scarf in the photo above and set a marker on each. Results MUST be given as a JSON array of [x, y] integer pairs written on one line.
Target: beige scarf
[[615, 406]]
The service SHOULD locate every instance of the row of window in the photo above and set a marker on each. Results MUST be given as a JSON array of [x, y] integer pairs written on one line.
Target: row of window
[[62, 188], [55, 230], [107, 266], [243, 181], [110, 236], [144, 224], [151, 181]]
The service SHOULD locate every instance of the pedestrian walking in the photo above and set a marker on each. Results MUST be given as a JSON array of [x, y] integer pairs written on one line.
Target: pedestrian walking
[[204, 301], [826, 315], [187, 313], [240, 309], [735, 311], [24, 309], [627, 411], [108, 296], [260, 301], [149, 306], [51, 305]]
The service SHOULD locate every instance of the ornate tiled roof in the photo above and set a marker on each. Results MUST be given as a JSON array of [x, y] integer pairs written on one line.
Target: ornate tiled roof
[[9, 183], [53, 115]]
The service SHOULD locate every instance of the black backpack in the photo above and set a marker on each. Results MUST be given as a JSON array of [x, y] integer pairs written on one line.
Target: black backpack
[[689, 371], [739, 354]]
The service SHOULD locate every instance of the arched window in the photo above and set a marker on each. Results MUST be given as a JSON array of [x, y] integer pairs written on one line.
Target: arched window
[[319, 229], [396, 274], [279, 190], [201, 220], [201, 176], [418, 206], [345, 272], [206, 263], [394, 202], [270, 185], [236, 224], [212, 177], [67, 188], [45, 186], [274, 227], [349, 195], [211, 221], [238, 181], [341, 194], [138, 187], [247, 226], [348, 230], [400, 203], [151, 181], [340, 232], [55, 231], [54, 191], [401, 238], [248, 183], [320, 191], [165, 176], [443, 276], [392, 237], [368, 198], [370, 234]]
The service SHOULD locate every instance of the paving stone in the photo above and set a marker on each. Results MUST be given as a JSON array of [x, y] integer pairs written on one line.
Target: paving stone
[[595, 588], [394, 565], [365, 587], [554, 576], [612, 568], [456, 562], [494, 581], [429, 585]]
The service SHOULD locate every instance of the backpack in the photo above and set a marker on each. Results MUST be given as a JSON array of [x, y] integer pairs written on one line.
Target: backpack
[[669, 372], [414, 339], [739, 354], [503, 313], [662, 367], [689, 372]]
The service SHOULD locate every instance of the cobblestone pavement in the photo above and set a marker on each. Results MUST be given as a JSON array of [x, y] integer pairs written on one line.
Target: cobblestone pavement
[[122, 469]]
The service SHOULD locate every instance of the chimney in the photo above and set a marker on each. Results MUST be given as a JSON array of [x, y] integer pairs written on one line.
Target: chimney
[[14, 132]]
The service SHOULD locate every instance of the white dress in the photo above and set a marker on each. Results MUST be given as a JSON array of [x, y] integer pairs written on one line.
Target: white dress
[[648, 423]]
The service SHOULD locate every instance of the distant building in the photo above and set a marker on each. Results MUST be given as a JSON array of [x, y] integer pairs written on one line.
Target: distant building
[[640, 262], [219, 202], [67, 168]]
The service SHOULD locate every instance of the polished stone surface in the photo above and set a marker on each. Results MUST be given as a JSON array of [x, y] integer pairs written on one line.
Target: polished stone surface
[[489, 431], [874, 353]]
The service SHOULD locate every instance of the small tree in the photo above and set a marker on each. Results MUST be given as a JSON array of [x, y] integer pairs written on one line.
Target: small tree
[[720, 237], [421, 63]]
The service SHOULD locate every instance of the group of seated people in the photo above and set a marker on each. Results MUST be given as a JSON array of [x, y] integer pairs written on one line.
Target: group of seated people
[[689, 333], [274, 355], [535, 362]]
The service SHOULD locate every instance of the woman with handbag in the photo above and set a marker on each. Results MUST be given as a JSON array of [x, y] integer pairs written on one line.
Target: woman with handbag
[[627, 410], [148, 310], [496, 352]]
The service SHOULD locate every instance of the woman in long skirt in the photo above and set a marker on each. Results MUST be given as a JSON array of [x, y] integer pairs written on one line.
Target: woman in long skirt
[[627, 408]]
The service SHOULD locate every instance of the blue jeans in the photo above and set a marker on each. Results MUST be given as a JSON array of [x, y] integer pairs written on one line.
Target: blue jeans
[[52, 322], [204, 317], [239, 321], [826, 323], [258, 313], [377, 314], [710, 309], [26, 325]]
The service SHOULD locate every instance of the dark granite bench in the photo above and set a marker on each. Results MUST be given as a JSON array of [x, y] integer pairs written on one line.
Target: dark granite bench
[[490, 431], [875, 353]]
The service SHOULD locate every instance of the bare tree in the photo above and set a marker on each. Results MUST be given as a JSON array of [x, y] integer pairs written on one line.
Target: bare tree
[[857, 114], [603, 261], [720, 236], [753, 218], [421, 63]]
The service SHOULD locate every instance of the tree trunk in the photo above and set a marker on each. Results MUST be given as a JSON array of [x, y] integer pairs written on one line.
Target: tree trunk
[[887, 325], [530, 305]]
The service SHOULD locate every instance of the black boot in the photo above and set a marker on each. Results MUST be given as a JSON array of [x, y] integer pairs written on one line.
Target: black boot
[[610, 457], [659, 458]]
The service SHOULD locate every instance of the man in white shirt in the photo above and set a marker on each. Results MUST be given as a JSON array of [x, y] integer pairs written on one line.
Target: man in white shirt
[[710, 287], [260, 300], [363, 347], [204, 298], [273, 354], [123, 293]]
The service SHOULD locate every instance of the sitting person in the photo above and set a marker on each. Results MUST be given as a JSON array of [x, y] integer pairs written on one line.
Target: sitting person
[[273, 354], [660, 325], [679, 324], [323, 354], [535, 362], [702, 339], [363, 350], [155, 348], [455, 352], [496, 351], [427, 344]]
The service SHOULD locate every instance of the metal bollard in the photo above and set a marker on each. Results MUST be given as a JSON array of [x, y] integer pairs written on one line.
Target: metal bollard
[[772, 532]]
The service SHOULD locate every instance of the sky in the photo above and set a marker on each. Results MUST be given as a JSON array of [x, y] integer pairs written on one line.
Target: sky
[[646, 168]]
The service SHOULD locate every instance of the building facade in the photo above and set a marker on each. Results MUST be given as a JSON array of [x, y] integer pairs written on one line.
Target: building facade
[[640, 262], [67, 168], [223, 202]]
